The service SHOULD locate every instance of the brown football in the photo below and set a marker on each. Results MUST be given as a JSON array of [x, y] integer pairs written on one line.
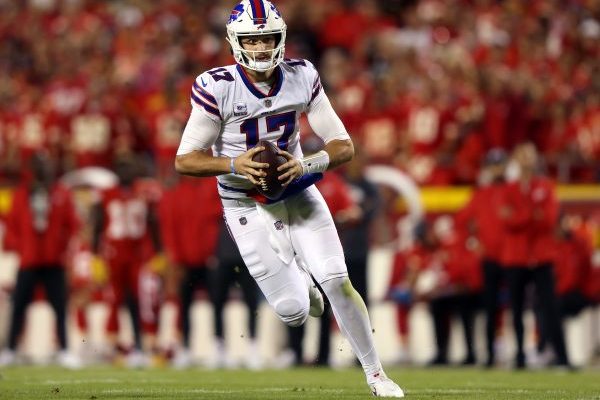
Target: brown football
[[270, 186]]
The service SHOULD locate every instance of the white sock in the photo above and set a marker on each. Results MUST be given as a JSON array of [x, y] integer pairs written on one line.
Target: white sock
[[353, 319]]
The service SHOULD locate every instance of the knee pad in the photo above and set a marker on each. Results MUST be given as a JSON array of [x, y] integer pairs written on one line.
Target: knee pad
[[338, 285], [340, 289], [333, 268], [292, 311]]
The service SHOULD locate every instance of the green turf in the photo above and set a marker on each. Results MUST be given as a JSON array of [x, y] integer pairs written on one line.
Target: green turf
[[114, 383]]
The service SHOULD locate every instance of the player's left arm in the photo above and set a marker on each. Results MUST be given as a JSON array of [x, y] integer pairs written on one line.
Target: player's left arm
[[338, 145]]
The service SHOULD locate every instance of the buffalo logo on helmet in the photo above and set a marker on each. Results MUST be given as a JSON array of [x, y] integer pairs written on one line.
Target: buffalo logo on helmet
[[236, 12], [275, 10]]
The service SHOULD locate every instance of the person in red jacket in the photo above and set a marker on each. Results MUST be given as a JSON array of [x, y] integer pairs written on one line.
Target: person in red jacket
[[529, 212], [573, 265], [39, 227], [190, 213], [481, 218], [572, 269], [405, 270], [450, 282], [123, 220]]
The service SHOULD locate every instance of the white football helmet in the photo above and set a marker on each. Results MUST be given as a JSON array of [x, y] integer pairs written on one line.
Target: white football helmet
[[251, 18]]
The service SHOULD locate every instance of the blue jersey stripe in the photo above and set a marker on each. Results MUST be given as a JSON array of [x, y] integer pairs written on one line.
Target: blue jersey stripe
[[315, 93], [205, 105], [232, 189], [278, 82], [249, 83], [254, 90], [205, 93], [207, 100], [295, 187]]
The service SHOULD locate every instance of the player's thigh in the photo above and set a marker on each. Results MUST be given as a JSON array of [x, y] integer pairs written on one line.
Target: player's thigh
[[252, 239], [278, 282], [315, 236]]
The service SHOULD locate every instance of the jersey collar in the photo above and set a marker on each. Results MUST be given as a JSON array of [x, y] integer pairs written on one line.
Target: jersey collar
[[254, 90]]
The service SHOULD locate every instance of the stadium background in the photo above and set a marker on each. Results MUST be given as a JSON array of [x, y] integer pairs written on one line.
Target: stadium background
[[426, 87]]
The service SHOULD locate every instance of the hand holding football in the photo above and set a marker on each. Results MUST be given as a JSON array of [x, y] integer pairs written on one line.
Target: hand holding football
[[270, 186]]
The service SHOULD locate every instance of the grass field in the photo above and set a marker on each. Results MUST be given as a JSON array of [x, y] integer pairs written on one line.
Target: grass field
[[304, 383]]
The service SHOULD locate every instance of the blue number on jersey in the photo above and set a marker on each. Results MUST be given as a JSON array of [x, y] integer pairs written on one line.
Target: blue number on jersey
[[250, 128], [288, 120], [221, 74], [292, 62]]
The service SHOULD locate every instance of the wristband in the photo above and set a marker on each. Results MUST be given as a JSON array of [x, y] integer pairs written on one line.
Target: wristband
[[232, 166], [314, 163]]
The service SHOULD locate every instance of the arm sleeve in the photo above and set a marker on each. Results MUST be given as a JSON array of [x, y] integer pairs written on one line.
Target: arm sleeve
[[200, 132], [324, 121]]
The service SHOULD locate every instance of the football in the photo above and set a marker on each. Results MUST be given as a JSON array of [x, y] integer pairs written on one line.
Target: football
[[270, 186]]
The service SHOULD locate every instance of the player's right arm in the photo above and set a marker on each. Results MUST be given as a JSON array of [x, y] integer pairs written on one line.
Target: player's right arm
[[194, 156]]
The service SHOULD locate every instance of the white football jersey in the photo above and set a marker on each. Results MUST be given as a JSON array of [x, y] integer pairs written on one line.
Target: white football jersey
[[247, 114]]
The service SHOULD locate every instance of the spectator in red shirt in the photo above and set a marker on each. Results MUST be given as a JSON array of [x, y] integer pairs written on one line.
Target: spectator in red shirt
[[39, 227], [572, 264], [529, 211], [450, 282], [406, 266], [481, 218], [572, 267], [212, 262]]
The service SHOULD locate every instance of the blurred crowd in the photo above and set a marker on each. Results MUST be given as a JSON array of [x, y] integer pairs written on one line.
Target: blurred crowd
[[428, 86], [443, 91], [511, 235], [131, 243]]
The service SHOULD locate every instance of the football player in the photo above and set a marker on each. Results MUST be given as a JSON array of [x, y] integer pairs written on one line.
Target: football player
[[282, 242], [123, 219]]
